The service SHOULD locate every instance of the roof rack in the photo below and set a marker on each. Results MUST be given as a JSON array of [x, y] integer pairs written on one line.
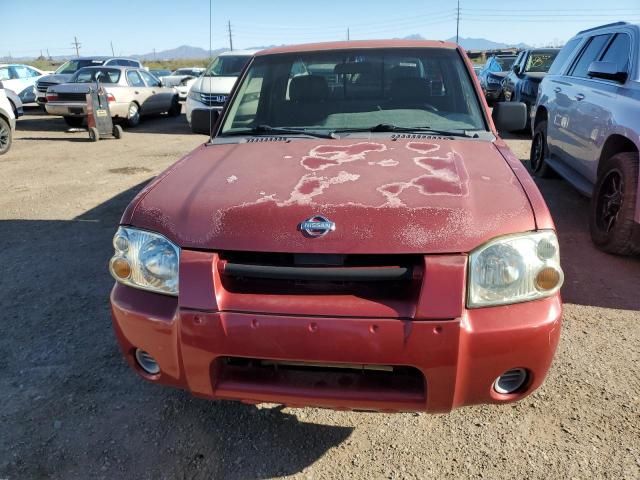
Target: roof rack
[[614, 24]]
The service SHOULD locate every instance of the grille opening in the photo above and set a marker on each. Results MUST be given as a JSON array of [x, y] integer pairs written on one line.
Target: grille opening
[[395, 277], [320, 380]]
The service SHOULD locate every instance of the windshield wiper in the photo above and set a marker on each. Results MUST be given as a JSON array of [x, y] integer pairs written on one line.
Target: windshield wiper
[[269, 130], [388, 127]]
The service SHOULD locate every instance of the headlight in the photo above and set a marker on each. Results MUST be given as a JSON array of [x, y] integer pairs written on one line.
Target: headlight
[[514, 269], [194, 95], [145, 260]]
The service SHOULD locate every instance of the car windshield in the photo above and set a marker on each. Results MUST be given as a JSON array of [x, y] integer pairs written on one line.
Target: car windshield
[[505, 62], [105, 75], [72, 66], [227, 66], [357, 90], [540, 61]]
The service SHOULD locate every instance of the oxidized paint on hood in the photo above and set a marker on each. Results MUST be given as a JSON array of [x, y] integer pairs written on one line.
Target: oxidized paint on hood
[[385, 196]]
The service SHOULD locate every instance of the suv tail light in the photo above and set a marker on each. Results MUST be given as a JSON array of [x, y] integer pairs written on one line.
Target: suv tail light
[[52, 96]]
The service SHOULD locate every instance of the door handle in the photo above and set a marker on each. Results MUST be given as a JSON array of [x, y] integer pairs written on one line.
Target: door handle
[[580, 96], [557, 89]]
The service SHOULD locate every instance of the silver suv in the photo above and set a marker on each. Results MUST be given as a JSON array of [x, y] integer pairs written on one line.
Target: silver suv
[[586, 128]]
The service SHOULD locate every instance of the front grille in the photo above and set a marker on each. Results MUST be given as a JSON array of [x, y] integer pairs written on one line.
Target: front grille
[[72, 97], [370, 276], [42, 86], [356, 383], [213, 99]]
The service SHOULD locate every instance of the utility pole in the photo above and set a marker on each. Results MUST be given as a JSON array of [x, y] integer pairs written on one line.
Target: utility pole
[[458, 22], [348, 36], [230, 36], [76, 44], [154, 54], [48, 55], [112, 52]]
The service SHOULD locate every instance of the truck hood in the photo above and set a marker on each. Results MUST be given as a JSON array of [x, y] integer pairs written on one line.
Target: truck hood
[[215, 84], [56, 78], [535, 77], [385, 196]]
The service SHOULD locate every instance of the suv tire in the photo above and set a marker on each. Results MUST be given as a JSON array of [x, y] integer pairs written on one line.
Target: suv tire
[[611, 222], [539, 152], [5, 136]]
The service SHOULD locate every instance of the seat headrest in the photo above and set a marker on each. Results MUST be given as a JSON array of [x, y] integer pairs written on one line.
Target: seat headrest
[[308, 88], [418, 89]]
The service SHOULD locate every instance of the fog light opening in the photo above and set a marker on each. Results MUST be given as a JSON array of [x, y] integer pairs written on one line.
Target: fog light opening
[[510, 381], [147, 362]]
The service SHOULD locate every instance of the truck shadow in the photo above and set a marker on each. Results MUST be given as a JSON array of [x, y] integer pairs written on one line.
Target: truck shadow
[[72, 408]]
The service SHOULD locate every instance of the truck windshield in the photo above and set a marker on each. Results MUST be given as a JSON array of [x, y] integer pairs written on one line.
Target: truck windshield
[[72, 66], [540, 61], [357, 90], [227, 66]]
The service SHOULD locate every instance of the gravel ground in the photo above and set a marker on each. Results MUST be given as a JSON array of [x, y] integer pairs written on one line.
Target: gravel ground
[[70, 407]]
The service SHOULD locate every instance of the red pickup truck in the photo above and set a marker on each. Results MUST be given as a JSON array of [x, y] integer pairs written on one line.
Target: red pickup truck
[[355, 235]]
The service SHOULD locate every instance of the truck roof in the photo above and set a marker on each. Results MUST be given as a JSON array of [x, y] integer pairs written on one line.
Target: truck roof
[[357, 44]]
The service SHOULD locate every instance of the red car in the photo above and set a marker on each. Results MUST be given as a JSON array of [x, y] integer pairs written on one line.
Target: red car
[[355, 235]]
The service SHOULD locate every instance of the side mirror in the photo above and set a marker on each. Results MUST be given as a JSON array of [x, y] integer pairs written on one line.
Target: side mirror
[[516, 69], [509, 116], [607, 71], [204, 121]]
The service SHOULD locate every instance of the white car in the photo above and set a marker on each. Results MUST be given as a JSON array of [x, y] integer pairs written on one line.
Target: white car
[[21, 79], [210, 91], [182, 79], [7, 122]]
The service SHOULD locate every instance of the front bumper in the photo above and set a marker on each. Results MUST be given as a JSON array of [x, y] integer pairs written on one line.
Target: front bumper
[[458, 359], [199, 116]]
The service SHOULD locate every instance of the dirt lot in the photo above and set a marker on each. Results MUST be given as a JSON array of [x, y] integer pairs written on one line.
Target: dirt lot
[[70, 407]]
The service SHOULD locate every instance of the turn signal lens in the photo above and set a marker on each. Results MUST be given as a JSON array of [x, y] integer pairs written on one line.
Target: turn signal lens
[[120, 267], [548, 278]]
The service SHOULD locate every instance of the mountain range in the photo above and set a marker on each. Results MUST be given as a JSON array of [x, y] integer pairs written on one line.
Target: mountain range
[[189, 52]]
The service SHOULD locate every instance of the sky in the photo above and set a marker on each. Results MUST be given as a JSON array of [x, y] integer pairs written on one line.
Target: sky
[[140, 26]]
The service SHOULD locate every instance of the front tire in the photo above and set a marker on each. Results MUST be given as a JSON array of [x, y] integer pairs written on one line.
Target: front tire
[[5, 136], [176, 107], [613, 204], [133, 116], [539, 152]]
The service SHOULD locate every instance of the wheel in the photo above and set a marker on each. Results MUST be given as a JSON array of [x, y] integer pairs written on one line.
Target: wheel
[[74, 121], [5, 136], [117, 131], [176, 108], [133, 117], [94, 135], [613, 204], [539, 152]]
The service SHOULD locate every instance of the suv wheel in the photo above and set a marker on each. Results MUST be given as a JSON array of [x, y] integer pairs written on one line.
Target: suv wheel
[[5, 136], [539, 152], [612, 224]]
